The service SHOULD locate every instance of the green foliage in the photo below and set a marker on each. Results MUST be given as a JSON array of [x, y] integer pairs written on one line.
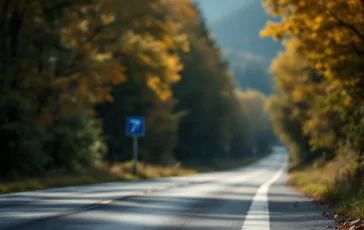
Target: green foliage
[[21, 143], [76, 142]]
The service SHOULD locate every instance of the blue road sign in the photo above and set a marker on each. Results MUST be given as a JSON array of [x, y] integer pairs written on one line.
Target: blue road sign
[[135, 126]]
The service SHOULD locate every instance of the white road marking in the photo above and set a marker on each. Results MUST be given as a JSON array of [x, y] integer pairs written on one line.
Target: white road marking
[[258, 215]]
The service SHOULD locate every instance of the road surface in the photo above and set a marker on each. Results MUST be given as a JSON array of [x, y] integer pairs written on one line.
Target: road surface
[[253, 197]]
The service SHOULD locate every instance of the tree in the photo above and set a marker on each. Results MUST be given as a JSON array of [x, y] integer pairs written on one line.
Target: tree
[[297, 109], [35, 94], [330, 37], [147, 50], [206, 93], [258, 128]]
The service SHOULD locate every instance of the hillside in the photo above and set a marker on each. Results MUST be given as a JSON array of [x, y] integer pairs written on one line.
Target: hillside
[[239, 31], [236, 27]]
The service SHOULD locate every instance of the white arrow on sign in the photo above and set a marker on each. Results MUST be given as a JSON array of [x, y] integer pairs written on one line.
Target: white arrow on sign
[[135, 124]]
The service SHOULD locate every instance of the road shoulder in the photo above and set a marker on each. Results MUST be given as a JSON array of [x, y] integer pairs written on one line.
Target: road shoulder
[[291, 210]]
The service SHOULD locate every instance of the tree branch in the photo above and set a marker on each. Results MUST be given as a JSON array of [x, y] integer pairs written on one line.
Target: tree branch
[[351, 27]]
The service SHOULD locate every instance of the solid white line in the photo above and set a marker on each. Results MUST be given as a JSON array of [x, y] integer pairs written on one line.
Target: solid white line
[[258, 215]]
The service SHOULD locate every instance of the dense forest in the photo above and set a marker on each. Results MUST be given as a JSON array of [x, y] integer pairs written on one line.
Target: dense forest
[[317, 109], [72, 71]]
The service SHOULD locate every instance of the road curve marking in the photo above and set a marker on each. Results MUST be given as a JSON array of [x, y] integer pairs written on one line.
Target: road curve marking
[[257, 217]]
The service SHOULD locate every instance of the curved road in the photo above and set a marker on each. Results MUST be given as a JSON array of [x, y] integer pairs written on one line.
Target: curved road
[[253, 197]]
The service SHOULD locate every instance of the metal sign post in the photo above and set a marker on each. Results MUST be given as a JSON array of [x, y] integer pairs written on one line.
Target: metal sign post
[[135, 128], [135, 154]]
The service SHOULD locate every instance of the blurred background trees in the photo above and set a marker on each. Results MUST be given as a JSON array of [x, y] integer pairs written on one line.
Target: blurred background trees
[[72, 71]]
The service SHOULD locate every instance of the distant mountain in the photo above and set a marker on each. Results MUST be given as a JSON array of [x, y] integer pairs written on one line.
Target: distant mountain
[[236, 25], [239, 31]]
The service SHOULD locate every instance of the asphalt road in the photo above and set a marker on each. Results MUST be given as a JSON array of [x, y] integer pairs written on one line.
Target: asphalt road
[[253, 197]]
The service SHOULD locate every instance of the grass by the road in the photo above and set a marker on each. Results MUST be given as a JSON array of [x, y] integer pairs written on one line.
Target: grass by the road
[[331, 184], [117, 172]]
